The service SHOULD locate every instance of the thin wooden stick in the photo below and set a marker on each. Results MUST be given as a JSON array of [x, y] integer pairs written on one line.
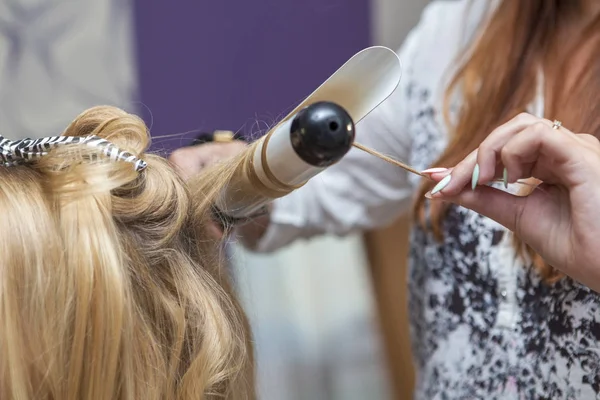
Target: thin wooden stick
[[389, 159], [416, 172]]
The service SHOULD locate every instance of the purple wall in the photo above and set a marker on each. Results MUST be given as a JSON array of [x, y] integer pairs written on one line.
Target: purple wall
[[224, 64]]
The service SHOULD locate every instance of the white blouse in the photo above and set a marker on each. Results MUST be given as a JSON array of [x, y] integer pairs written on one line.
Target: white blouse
[[483, 324]]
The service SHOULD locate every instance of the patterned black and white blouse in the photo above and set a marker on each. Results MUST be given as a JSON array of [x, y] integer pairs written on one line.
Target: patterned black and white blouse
[[484, 326]]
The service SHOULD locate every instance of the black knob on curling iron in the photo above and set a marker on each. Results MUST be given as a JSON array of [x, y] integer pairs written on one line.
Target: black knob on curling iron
[[322, 133]]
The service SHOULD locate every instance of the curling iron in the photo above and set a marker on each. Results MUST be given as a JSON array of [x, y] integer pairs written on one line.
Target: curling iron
[[311, 138]]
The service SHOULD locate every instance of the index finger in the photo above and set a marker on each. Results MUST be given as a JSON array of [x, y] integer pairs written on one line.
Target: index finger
[[479, 167], [550, 154]]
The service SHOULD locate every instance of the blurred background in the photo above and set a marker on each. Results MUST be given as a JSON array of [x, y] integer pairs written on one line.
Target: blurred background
[[329, 315]]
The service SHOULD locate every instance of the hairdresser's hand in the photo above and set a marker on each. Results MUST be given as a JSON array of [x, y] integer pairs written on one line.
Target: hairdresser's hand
[[191, 160], [560, 219]]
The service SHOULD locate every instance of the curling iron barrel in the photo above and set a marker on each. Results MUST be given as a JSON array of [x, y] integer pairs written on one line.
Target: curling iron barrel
[[292, 153]]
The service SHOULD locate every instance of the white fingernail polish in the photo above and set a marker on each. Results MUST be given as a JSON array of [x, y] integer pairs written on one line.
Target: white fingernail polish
[[434, 170], [441, 184], [475, 177]]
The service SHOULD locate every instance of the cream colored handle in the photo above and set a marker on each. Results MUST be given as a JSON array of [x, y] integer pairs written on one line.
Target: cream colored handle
[[361, 84]]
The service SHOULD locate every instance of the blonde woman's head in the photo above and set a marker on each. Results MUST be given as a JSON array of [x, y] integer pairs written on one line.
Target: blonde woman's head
[[110, 283]]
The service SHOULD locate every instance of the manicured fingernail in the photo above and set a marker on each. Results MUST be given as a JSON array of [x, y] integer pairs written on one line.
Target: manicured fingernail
[[505, 178], [475, 177], [441, 184], [429, 196], [434, 170]]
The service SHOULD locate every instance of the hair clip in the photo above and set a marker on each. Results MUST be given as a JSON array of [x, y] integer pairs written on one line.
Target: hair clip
[[17, 152]]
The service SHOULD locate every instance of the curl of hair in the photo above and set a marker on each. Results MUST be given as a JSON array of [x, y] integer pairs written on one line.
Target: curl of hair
[[111, 284]]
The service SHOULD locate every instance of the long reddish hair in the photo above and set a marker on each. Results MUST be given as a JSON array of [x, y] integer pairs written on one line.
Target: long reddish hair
[[499, 78]]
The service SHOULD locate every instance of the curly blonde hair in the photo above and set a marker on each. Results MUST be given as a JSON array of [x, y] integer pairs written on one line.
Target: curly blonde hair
[[111, 285]]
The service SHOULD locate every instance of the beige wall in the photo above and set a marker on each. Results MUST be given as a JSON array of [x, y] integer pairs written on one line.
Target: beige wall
[[393, 19]]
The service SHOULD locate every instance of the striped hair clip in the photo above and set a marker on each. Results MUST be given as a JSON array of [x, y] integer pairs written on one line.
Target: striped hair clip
[[21, 151]]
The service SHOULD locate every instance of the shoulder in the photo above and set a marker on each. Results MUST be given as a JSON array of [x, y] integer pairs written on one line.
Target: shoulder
[[444, 32], [428, 55]]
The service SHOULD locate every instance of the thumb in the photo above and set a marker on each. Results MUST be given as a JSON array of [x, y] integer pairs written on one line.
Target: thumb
[[502, 207]]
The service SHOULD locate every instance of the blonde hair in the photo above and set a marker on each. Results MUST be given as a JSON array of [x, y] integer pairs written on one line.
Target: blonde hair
[[111, 286]]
